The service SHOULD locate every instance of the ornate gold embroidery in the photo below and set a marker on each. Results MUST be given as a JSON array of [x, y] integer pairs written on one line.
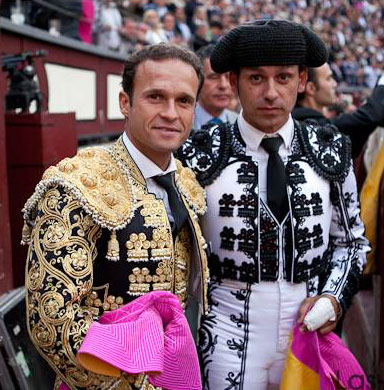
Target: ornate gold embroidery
[[113, 252], [137, 247], [92, 178], [98, 188], [183, 250], [59, 274], [194, 194]]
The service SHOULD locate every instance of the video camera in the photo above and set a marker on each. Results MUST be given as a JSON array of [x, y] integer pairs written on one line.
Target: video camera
[[23, 89]]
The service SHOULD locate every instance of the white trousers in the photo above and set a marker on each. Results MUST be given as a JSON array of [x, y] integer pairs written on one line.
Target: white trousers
[[244, 340]]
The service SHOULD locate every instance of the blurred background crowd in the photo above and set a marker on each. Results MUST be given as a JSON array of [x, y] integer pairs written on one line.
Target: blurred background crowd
[[352, 29]]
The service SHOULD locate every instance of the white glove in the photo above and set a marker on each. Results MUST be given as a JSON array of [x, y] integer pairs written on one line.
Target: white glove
[[321, 312]]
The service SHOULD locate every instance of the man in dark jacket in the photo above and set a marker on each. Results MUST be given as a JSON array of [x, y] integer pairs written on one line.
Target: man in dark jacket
[[320, 93]]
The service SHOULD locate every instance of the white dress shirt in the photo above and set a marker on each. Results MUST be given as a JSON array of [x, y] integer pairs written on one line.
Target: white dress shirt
[[202, 117], [149, 170], [253, 137]]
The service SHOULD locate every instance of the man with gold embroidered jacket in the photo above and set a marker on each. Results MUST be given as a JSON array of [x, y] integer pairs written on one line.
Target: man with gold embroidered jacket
[[287, 241], [113, 223]]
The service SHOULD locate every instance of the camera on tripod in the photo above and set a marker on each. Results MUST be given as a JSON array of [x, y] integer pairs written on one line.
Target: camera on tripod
[[23, 88]]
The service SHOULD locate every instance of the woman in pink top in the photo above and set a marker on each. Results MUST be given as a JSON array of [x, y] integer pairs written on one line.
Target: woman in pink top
[[85, 24]]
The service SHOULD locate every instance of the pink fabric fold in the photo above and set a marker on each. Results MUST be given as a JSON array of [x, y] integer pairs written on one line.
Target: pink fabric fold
[[150, 334], [328, 356]]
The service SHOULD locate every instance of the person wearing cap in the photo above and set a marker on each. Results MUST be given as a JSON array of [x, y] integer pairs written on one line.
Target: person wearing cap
[[286, 240]]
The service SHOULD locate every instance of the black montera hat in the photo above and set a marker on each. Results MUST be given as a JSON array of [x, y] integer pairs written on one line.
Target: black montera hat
[[268, 42]]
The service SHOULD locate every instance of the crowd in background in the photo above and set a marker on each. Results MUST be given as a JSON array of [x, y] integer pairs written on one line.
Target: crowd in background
[[352, 29]]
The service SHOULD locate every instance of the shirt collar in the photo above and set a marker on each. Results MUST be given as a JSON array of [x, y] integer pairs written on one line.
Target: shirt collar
[[147, 167], [253, 136], [204, 117]]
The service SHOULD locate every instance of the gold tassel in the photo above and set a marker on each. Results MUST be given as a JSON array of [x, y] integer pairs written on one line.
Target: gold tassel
[[26, 234], [113, 248]]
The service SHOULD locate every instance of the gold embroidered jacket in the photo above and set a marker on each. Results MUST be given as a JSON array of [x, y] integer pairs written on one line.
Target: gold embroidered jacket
[[97, 239]]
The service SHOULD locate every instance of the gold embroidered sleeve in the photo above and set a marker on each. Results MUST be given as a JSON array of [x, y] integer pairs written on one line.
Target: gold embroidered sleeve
[[58, 280]]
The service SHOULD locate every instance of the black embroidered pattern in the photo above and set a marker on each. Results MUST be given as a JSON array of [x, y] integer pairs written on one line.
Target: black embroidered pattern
[[302, 207], [227, 204], [247, 206], [305, 240], [236, 380], [227, 269], [269, 246], [207, 338], [328, 151], [247, 242], [305, 207], [228, 238], [313, 286], [247, 173], [207, 152]]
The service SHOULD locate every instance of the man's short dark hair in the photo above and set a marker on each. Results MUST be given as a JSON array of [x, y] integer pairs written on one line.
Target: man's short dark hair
[[167, 14], [162, 51], [215, 23]]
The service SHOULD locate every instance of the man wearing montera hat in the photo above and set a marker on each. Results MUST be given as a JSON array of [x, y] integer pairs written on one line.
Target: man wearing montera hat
[[287, 242]]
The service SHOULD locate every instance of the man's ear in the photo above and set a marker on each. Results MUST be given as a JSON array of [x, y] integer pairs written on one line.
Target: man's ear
[[124, 103], [303, 77], [310, 88], [233, 81]]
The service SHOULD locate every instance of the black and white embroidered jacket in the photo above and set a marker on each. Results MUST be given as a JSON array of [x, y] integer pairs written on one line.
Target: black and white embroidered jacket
[[322, 237]]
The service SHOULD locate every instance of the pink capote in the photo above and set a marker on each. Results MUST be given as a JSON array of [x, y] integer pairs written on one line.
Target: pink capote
[[327, 356], [150, 334]]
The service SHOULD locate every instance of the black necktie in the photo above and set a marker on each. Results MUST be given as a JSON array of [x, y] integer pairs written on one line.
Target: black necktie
[[276, 178], [179, 212]]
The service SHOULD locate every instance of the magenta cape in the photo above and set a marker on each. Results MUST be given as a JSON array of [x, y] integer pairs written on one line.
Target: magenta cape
[[321, 362], [149, 335]]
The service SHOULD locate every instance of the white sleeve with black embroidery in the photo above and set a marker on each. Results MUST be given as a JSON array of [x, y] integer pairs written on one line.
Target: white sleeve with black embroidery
[[348, 246]]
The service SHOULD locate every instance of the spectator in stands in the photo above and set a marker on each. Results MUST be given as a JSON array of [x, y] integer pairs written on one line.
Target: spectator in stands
[[216, 29], [135, 10], [215, 95], [320, 93], [141, 33], [87, 20], [156, 33], [200, 37], [130, 36], [181, 24], [199, 17], [111, 26], [160, 6], [169, 26], [69, 24]]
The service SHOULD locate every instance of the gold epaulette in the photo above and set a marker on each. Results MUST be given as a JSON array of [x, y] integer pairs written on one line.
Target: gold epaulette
[[189, 186], [95, 179]]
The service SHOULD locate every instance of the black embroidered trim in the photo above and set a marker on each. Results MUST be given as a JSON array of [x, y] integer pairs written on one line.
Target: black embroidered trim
[[247, 207], [207, 338], [207, 152], [269, 249], [304, 239], [236, 381], [304, 271], [228, 238], [227, 269], [227, 204], [328, 151]]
